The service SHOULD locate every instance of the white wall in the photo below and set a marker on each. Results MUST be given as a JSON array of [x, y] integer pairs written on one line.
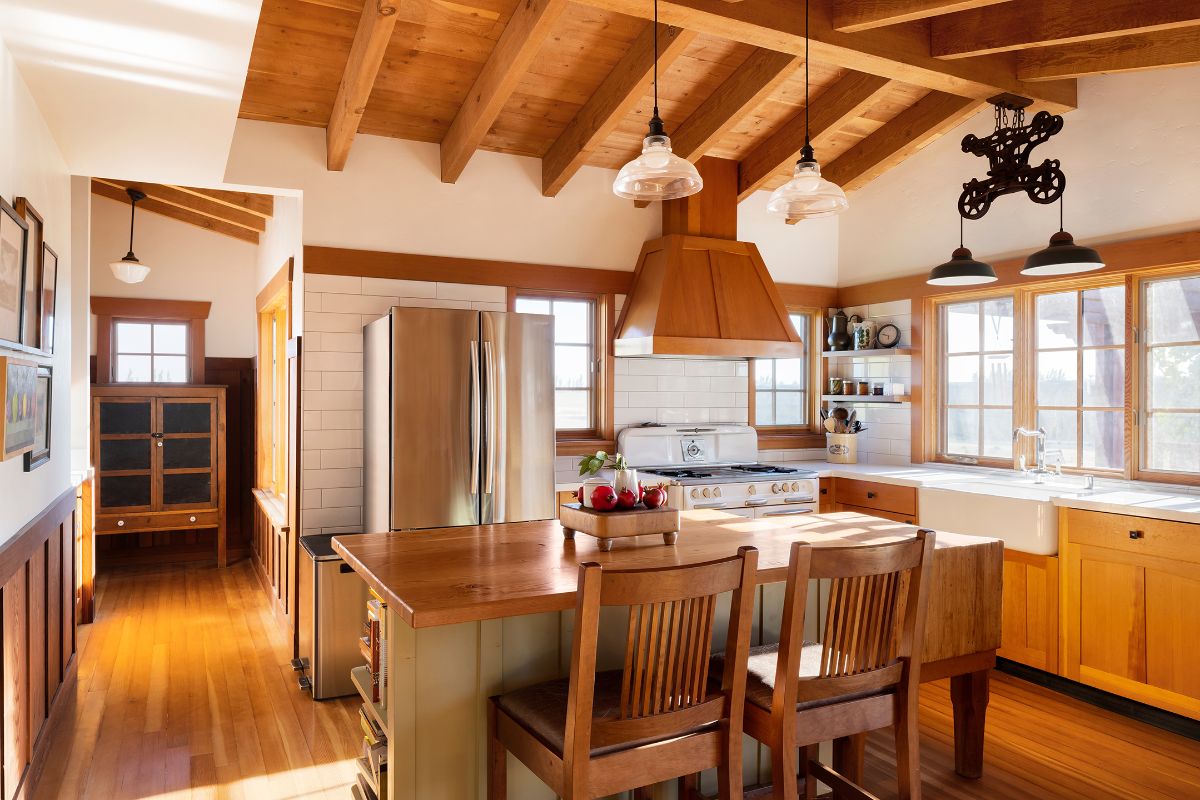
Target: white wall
[[34, 168], [390, 198], [1131, 152], [186, 263]]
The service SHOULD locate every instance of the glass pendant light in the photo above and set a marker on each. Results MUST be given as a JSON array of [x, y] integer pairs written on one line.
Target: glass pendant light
[[129, 269], [807, 194], [962, 269], [1062, 256], [657, 174]]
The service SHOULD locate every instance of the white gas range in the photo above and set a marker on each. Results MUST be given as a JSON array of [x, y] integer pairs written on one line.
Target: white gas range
[[714, 466]]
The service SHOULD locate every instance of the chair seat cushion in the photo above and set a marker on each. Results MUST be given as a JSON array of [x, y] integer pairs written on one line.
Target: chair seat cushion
[[542, 710], [760, 675]]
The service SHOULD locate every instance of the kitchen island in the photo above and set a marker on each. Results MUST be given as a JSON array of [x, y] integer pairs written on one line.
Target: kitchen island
[[475, 611]]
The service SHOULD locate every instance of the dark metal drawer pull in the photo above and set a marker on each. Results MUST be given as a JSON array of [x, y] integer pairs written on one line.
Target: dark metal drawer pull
[[870, 495], [1136, 535]]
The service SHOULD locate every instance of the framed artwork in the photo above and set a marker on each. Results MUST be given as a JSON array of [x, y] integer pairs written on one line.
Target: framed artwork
[[49, 287], [14, 235], [42, 398], [18, 387], [31, 282]]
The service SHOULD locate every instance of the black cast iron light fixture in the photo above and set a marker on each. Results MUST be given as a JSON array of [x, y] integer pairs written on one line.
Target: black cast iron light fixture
[[807, 195], [962, 269], [129, 269], [1062, 256], [657, 174]]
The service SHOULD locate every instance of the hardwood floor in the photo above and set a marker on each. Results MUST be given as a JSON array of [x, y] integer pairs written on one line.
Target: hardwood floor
[[185, 692]]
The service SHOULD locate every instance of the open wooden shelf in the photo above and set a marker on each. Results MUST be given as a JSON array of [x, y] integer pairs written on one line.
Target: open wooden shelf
[[866, 398], [361, 676], [879, 351]]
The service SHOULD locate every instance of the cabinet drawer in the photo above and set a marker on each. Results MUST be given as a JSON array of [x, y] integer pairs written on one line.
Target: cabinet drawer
[[175, 520], [1155, 537], [910, 519], [881, 496]]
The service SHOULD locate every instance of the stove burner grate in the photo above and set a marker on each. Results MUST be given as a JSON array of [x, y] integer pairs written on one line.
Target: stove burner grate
[[764, 469]]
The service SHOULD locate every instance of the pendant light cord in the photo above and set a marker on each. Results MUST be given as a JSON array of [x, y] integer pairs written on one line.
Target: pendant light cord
[[806, 38], [960, 233], [1060, 213], [132, 210], [656, 58]]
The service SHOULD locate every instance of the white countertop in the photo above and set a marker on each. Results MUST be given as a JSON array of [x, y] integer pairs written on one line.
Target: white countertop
[[1154, 501]]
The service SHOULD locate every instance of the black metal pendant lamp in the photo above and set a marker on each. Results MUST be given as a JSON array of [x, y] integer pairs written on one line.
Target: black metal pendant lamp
[[962, 269], [1062, 256]]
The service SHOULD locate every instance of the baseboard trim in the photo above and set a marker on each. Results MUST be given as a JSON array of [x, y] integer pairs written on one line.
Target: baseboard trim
[[1159, 718]]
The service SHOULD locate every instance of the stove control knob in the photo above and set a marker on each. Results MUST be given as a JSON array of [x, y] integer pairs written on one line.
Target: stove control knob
[[717, 492], [795, 486], [695, 492], [775, 488], [750, 489], [707, 493]]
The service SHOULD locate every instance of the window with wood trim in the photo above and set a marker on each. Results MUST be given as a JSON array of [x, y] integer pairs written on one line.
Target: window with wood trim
[[1170, 375], [783, 395], [577, 358], [274, 330], [977, 360], [150, 352]]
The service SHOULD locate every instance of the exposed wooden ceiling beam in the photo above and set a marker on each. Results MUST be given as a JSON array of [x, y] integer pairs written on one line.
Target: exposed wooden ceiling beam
[[852, 16], [831, 109], [261, 204], [1171, 48], [1039, 23], [910, 131], [616, 97], [752, 83], [523, 36], [371, 39], [191, 202], [177, 213], [898, 52]]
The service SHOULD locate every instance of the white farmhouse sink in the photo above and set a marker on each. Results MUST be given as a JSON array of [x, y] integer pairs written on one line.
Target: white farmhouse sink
[[1017, 511]]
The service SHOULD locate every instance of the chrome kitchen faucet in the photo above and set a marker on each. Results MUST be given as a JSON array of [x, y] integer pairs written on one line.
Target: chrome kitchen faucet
[[1040, 453]]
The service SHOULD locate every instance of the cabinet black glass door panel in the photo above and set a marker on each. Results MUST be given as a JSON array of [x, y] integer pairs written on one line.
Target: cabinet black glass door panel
[[125, 418], [184, 417]]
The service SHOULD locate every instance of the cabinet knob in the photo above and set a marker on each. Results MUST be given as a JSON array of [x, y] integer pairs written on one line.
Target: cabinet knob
[[192, 518], [1136, 535], [120, 523], [160, 442], [870, 495], [824, 491]]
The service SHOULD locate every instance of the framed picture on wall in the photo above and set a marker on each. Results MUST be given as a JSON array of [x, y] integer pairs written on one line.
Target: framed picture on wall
[[49, 291], [18, 387], [14, 235], [42, 399], [31, 281]]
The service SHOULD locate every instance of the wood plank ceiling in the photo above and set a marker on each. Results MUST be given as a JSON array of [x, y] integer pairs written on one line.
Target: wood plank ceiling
[[569, 82], [242, 215]]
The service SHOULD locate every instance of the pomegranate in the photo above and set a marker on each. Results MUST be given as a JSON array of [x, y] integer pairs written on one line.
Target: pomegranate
[[655, 496], [626, 499], [579, 495], [604, 498]]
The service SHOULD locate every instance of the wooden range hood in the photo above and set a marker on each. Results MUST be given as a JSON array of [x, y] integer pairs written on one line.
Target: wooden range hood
[[697, 291]]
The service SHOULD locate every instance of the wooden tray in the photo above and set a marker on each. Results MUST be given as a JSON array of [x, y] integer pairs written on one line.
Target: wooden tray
[[609, 525]]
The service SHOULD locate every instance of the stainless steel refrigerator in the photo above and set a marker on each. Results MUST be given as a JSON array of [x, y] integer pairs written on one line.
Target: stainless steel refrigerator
[[458, 418]]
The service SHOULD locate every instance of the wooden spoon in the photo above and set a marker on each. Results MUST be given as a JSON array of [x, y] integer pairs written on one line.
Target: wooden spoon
[[831, 425], [840, 414]]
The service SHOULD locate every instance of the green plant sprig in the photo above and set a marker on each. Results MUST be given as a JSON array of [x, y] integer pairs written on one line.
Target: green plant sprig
[[590, 465]]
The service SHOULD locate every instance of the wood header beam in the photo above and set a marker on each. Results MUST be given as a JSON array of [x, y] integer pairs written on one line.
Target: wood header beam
[[261, 204], [616, 97], [852, 16], [1038, 23], [371, 39], [192, 202], [831, 110], [751, 84], [1171, 48], [910, 131], [523, 36], [898, 52], [144, 308], [177, 213]]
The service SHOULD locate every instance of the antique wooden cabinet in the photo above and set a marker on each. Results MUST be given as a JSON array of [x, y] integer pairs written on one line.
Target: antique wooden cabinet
[[159, 454]]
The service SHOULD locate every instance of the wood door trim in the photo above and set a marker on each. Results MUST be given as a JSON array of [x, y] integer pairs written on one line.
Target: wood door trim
[[144, 308]]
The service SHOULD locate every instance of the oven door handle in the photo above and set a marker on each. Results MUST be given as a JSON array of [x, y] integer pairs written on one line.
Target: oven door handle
[[799, 499], [788, 513], [760, 502], [709, 505]]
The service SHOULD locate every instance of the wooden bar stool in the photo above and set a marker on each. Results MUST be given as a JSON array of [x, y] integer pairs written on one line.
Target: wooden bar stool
[[595, 734], [862, 676]]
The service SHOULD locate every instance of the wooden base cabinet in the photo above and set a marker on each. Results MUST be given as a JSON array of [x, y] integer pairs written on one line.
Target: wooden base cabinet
[[1029, 632], [159, 454], [1131, 607], [884, 500]]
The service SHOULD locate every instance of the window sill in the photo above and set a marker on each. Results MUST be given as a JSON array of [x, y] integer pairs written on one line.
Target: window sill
[[273, 506], [568, 446]]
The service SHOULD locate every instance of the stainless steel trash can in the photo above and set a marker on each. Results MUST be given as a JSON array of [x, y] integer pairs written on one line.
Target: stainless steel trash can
[[332, 609]]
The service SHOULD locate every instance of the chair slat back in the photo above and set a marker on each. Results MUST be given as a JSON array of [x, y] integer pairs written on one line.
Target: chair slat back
[[665, 675]]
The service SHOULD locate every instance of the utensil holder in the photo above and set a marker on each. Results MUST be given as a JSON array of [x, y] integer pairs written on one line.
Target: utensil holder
[[841, 448]]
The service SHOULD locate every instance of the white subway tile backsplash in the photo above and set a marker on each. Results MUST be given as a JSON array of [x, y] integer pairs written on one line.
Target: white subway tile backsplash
[[332, 400], [310, 498], [351, 516], [339, 284], [311, 380], [730, 384], [708, 400], [677, 416], [653, 366], [623, 417], [710, 369], [339, 459], [310, 420], [394, 287], [331, 478], [339, 342], [312, 301], [333, 362], [637, 383], [889, 309], [342, 498], [316, 321], [338, 439], [678, 383], [357, 303], [423, 302], [620, 399], [342, 420], [472, 292]]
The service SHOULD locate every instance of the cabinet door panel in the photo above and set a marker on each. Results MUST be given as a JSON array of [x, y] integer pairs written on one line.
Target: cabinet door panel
[[187, 454], [125, 491], [125, 416], [188, 488], [1112, 614], [124, 454], [1172, 631], [187, 416]]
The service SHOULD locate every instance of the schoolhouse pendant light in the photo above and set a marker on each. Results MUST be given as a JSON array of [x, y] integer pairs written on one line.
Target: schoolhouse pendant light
[[657, 174], [807, 194], [129, 269], [1062, 256], [962, 269]]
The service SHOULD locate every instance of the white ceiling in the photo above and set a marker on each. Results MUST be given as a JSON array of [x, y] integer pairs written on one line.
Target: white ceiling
[[137, 89]]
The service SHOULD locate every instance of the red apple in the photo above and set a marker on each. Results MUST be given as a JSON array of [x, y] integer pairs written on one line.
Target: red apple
[[579, 495], [655, 497], [604, 498], [641, 491], [626, 499]]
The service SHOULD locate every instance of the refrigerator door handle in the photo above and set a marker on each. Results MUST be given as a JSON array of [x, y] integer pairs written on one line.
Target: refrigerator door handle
[[489, 366], [476, 420]]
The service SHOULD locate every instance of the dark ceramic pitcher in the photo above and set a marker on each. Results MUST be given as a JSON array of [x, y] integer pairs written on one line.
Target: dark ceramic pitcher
[[839, 336]]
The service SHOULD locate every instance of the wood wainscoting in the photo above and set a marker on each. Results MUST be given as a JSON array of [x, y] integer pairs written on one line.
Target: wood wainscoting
[[274, 548], [37, 595]]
